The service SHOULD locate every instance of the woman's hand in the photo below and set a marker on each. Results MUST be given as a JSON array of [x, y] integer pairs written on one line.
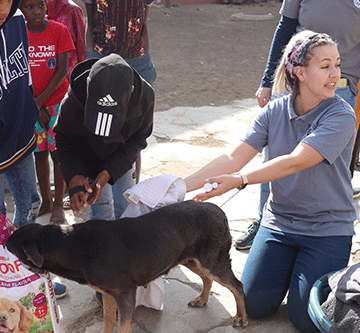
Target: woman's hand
[[225, 184], [263, 95]]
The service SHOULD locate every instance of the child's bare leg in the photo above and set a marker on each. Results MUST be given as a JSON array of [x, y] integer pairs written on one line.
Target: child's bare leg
[[43, 174], [58, 214]]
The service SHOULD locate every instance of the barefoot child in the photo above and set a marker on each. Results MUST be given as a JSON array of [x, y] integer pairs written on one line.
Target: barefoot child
[[49, 45]]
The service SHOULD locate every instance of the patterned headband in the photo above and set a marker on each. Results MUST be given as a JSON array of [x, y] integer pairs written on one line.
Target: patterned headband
[[297, 53]]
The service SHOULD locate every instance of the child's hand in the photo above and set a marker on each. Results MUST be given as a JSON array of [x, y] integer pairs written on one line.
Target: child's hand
[[79, 198], [98, 185], [44, 116], [224, 184]]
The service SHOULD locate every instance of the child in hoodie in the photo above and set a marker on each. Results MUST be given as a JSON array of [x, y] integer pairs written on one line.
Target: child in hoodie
[[103, 124], [49, 45], [120, 26], [18, 114]]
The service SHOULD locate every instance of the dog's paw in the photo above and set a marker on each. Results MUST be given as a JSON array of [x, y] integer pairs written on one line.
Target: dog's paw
[[240, 321], [197, 302]]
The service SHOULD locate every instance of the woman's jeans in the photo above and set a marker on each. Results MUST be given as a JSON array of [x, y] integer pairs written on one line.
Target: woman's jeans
[[21, 180], [279, 263], [349, 97]]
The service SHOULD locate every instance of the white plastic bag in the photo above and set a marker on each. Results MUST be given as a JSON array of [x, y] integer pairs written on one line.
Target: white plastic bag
[[27, 298]]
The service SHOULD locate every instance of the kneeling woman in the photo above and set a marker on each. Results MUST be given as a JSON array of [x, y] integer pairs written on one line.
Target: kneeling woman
[[307, 225]]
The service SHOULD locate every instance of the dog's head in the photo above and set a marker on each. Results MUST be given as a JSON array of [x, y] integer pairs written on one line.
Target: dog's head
[[29, 241], [14, 317]]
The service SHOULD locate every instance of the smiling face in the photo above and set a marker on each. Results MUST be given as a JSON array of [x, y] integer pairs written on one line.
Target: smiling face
[[34, 12], [318, 80], [5, 6]]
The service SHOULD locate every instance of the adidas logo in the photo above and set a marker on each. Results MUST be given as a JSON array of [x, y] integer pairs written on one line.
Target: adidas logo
[[107, 101]]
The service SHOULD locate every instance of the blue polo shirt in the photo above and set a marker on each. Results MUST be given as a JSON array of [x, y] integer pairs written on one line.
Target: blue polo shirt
[[316, 201]]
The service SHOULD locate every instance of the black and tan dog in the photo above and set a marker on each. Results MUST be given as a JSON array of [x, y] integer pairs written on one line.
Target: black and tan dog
[[115, 257]]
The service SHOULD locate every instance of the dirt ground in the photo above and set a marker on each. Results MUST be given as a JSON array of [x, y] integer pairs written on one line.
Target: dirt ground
[[203, 57]]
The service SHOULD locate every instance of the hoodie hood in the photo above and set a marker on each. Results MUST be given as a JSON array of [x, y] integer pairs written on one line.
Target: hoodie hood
[[15, 5], [4, 72], [104, 87]]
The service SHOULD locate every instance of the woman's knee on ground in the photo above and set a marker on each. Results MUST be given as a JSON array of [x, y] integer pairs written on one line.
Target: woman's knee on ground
[[258, 306], [300, 318]]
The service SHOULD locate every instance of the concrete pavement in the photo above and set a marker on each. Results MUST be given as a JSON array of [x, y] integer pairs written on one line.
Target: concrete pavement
[[183, 140]]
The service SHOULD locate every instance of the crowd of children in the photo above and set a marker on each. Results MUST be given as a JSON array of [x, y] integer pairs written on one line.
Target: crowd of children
[[52, 36], [56, 35]]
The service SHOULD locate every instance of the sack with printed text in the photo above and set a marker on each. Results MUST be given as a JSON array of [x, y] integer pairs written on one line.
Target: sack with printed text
[[27, 298]]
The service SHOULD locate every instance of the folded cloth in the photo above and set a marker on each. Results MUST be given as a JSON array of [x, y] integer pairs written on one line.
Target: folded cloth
[[143, 198], [157, 192], [343, 304], [345, 284], [344, 316]]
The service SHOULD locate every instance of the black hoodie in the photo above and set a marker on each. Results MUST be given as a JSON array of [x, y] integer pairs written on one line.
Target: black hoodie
[[83, 153]]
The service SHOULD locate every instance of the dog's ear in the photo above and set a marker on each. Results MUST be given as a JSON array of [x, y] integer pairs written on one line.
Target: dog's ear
[[33, 255], [26, 318]]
